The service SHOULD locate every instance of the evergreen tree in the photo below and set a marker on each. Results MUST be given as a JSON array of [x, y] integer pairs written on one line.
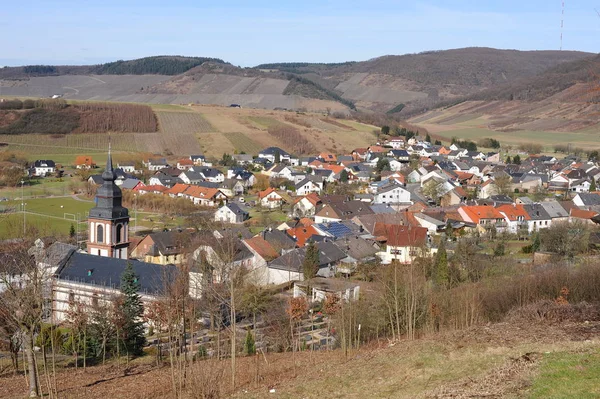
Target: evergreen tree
[[277, 157], [593, 185], [428, 138], [133, 310], [438, 142], [517, 160], [72, 231], [310, 265], [249, 344], [500, 249], [441, 275], [385, 130], [535, 246], [508, 160], [344, 176], [382, 164]]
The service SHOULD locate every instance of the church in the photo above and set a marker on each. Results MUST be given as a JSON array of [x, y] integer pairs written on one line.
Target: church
[[94, 277]]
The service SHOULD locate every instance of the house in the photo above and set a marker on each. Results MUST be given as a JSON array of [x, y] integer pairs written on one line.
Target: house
[[392, 194], [128, 167], [43, 167], [586, 200], [272, 153], [396, 143], [132, 184], [231, 213], [270, 199], [191, 177], [281, 171], [151, 189], [204, 196], [231, 187], [402, 243], [185, 164], [555, 210], [305, 206], [242, 159], [210, 174], [163, 248], [328, 157], [338, 211], [303, 234], [84, 162], [484, 216], [263, 253], [306, 187], [154, 165], [538, 217], [198, 160], [516, 218], [288, 267], [582, 215]]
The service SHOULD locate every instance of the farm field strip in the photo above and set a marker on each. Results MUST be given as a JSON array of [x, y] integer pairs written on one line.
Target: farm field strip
[[243, 143], [183, 122]]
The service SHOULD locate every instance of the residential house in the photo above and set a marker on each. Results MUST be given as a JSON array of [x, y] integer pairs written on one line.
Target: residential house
[[191, 177], [280, 171], [43, 167], [586, 200], [392, 194], [84, 162], [484, 216], [538, 217], [288, 267], [163, 248], [185, 164], [318, 289], [307, 186], [204, 196], [242, 159], [263, 253], [154, 165], [338, 211], [271, 154], [516, 218], [210, 174], [305, 206], [128, 167], [198, 160], [231, 213], [403, 243], [270, 199]]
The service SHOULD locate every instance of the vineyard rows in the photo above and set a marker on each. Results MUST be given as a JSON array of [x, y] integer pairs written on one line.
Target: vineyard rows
[[243, 143]]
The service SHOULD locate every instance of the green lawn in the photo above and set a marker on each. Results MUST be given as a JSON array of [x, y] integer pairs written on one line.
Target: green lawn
[[568, 375]]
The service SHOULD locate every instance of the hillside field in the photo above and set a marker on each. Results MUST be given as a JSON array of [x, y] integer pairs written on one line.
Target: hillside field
[[187, 130]]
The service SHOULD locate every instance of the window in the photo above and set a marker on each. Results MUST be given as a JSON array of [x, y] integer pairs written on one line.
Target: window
[[100, 233], [71, 297], [394, 251], [120, 233]]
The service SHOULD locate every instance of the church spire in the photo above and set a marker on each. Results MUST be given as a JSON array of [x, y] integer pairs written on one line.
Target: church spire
[[109, 173]]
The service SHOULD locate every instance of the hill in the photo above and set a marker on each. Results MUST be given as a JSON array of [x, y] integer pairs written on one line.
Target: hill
[[157, 65], [421, 80], [563, 99], [398, 83]]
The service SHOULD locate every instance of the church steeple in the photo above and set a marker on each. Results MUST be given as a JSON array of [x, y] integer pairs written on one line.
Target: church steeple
[[109, 220]]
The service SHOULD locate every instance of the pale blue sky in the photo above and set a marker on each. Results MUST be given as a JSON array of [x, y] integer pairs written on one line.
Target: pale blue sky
[[247, 33]]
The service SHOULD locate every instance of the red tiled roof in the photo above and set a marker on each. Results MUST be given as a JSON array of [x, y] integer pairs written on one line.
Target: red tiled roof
[[478, 212], [264, 193], [402, 236], [201, 192], [153, 188], [512, 212], [302, 234], [178, 188], [84, 160], [582, 214], [262, 247]]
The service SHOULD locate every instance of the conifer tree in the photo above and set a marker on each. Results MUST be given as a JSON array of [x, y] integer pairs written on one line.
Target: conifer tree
[[508, 160], [249, 344], [593, 185], [310, 265], [133, 310]]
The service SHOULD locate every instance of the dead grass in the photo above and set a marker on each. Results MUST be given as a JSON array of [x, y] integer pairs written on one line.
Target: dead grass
[[498, 360]]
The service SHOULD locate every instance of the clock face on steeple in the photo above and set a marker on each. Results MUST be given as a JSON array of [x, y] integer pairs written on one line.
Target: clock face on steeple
[[109, 220]]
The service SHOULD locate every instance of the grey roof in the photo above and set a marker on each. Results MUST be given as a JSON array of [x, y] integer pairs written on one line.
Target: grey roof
[[170, 242], [589, 198], [278, 239], [329, 253], [554, 209], [382, 208], [195, 157], [236, 209], [56, 252], [192, 175], [106, 272], [357, 247], [273, 150], [44, 163], [130, 183], [536, 212]]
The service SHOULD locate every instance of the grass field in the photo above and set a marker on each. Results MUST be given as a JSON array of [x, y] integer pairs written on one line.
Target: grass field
[[568, 375], [242, 143]]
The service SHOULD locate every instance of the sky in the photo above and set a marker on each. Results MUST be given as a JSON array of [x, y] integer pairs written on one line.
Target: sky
[[248, 33]]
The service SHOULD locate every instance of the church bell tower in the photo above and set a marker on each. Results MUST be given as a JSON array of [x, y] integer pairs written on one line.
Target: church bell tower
[[108, 220]]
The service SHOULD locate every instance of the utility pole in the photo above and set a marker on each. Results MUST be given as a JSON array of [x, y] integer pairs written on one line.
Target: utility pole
[[23, 207], [134, 213]]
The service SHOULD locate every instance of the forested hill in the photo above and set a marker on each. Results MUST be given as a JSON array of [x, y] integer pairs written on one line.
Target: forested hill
[[157, 65]]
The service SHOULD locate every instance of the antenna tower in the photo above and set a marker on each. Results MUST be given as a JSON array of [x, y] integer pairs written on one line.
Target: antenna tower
[[562, 23]]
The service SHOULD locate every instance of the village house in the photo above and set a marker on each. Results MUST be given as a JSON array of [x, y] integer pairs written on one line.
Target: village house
[[305, 206], [307, 186], [154, 165], [402, 243], [162, 248], [270, 198], [484, 216], [204, 196], [231, 213], [42, 168], [84, 162]]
